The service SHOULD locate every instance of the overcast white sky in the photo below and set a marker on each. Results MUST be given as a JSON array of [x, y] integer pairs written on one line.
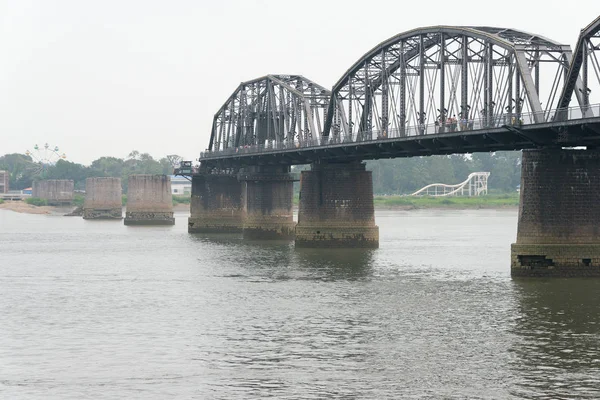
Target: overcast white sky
[[102, 78]]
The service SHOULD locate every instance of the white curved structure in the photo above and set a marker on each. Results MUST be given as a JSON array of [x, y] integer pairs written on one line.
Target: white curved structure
[[475, 185]]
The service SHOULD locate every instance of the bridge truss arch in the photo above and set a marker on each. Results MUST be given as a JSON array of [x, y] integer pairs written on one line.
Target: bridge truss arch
[[583, 78], [447, 76], [271, 110]]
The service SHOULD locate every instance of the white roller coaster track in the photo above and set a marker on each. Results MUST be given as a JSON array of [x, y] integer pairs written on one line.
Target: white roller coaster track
[[475, 185]]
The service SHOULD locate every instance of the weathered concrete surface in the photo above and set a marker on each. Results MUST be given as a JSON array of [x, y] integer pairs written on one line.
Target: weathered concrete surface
[[267, 196], [149, 200], [558, 230], [4, 181], [216, 205], [336, 207], [77, 212], [55, 191], [102, 198]]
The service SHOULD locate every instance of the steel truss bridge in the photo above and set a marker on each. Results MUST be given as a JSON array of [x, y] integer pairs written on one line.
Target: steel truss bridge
[[433, 90]]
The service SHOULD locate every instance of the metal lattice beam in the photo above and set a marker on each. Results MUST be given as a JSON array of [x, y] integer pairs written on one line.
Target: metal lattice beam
[[584, 64], [447, 75], [271, 109]]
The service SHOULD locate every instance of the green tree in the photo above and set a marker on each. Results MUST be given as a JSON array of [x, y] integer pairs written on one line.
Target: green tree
[[142, 164], [167, 168], [21, 169], [406, 175], [108, 166], [69, 170], [483, 161], [506, 171], [462, 166]]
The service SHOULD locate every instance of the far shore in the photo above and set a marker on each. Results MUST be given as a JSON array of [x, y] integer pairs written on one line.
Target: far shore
[[24, 208], [388, 203], [20, 206]]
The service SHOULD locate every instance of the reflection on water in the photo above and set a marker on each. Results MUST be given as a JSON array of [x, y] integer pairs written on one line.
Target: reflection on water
[[281, 257], [334, 264], [557, 346], [98, 310]]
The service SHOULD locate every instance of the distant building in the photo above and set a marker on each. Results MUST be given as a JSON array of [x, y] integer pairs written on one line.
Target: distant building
[[4, 178], [180, 186]]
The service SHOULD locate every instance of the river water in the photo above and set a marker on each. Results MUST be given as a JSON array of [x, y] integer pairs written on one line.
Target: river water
[[92, 309]]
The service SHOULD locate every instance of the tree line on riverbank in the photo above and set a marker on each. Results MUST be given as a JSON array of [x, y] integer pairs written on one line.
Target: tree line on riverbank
[[407, 175], [393, 176], [24, 170]]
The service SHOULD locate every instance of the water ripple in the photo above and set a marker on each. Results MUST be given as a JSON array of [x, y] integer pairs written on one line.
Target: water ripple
[[102, 311]]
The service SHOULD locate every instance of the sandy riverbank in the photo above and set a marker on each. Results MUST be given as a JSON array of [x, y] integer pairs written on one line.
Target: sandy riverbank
[[22, 207]]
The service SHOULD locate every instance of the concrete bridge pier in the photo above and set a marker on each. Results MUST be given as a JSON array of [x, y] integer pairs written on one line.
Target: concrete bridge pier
[[103, 199], [149, 200], [216, 205], [55, 191], [559, 214], [336, 207], [267, 196]]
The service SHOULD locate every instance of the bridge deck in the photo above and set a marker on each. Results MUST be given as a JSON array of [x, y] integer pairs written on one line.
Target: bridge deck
[[581, 131]]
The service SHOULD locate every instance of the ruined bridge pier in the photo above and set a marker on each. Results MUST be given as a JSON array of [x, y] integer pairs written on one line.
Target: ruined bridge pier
[[103, 198], [558, 231], [149, 200]]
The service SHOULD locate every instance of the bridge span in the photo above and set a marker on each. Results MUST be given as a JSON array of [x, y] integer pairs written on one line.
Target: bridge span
[[433, 90], [506, 132]]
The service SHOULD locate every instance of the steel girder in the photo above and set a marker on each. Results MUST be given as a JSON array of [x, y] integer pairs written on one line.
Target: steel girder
[[578, 78], [270, 109], [447, 75], [571, 133]]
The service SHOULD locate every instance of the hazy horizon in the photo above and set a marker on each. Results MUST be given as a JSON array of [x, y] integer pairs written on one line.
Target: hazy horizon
[[105, 78]]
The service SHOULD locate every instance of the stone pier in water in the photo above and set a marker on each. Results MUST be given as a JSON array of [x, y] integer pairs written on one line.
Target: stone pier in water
[[216, 205], [149, 200], [55, 191], [559, 214], [336, 207], [267, 196], [103, 199]]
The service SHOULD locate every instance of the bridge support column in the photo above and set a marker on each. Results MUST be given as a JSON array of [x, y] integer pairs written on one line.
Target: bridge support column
[[216, 205], [267, 197], [336, 207], [103, 198], [559, 214], [149, 200]]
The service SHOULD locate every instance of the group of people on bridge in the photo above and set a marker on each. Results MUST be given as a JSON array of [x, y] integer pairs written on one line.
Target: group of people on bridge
[[451, 124]]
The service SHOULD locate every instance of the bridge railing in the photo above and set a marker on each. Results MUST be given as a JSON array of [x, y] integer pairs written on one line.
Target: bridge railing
[[449, 126]]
